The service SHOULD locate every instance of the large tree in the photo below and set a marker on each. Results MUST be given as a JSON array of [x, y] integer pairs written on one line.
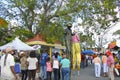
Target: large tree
[[47, 17]]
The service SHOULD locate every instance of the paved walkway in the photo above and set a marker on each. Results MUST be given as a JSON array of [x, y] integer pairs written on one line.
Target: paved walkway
[[87, 74]]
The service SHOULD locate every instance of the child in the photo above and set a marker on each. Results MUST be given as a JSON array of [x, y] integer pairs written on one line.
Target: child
[[55, 67], [49, 68]]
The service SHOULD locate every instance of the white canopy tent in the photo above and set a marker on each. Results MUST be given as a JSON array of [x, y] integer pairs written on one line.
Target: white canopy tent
[[17, 44]]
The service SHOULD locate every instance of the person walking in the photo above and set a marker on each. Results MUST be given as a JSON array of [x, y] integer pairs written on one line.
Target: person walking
[[43, 72], [76, 51], [49, 68], [68, 41], [110, 63], [7, 65], [24, 67], [97, 66], [104, 63], [82, 60], [32, 62], [65, 65]]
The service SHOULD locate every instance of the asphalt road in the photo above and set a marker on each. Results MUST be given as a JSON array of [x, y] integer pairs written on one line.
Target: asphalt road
[[87, 74]]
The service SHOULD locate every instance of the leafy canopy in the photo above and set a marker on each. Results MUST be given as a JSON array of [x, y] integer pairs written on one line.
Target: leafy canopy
[[48, 17]]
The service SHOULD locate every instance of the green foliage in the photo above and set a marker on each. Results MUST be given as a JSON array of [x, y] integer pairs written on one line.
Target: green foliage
[[8, 35], [49, 16], [87, 39], [25, 3], [3, 30], [22, 33], [116, 32], [54, 32]]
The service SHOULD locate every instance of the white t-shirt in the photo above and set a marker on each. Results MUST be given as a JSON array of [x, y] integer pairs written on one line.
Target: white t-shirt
[[55, 64], [6, 72], [32, 63]]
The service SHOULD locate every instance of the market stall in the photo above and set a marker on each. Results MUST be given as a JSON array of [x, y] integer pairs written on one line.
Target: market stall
[[39, 40]]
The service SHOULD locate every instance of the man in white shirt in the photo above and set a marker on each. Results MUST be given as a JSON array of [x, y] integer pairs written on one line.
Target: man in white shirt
[[7, 65]]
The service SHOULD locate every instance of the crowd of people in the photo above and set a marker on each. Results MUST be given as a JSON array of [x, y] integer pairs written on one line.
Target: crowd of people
[[29, 66], [106, 65]]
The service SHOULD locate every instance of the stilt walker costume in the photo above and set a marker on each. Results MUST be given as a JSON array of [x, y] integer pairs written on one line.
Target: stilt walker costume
[[76, 57]]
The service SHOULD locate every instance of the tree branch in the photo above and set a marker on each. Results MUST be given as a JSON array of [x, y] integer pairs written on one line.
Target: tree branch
[[58, 9], [49, 6]]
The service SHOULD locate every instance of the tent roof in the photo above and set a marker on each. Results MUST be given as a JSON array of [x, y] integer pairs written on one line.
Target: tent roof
[[16, 44], [38, 39]]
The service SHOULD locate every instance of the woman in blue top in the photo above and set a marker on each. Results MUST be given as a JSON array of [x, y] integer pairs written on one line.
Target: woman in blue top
[[65, 65]]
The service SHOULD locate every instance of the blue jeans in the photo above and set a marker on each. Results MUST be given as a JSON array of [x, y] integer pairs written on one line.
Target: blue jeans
[[65, 73], [43, 72], [49, 75], [55, 74]]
